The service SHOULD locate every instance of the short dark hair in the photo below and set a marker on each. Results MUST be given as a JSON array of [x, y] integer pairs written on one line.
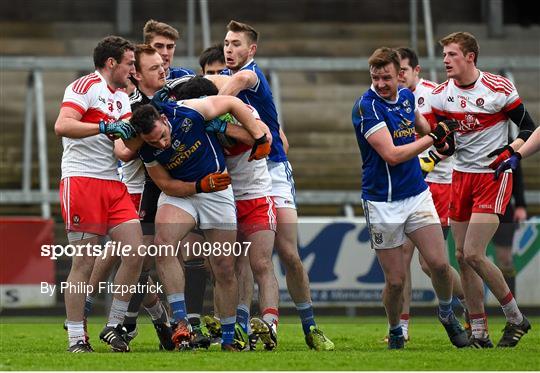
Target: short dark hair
[[408, 53], [251, 33], [384, 56], [144, 119], [111, 46], [211, 55], [194, 88]]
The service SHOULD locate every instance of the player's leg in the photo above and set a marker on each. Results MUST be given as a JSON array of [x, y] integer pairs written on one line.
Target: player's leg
[[80, 272], [408, 251], [424, 229], [103, 267], [174, 219], [196, 276], [260, 257], [217, 219], [226, 285], [391, 261], [481, 229], [502, 241]]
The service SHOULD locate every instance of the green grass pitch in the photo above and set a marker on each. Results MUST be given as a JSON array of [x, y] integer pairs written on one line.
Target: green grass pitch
[[40, 344]]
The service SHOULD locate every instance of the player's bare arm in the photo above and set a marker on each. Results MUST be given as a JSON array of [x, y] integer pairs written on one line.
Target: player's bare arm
[[241, 134], [122, 152], [381, 141], [211, 107], [168, 185], [69, 124], [284, 140], [421, 124], [241, 80]]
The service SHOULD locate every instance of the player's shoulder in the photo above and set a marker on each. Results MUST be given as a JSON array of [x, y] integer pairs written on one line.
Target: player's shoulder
[[82, 85], [497, 83], [428, 84], [440, 88], [178, 72], [137, 98]]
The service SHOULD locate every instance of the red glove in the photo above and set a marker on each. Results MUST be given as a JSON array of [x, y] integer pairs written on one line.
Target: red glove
[[502, 154], [213, 183]]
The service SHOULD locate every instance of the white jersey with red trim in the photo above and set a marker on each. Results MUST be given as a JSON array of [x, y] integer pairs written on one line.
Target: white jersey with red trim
[[250, 180], [481, 111], [93, 156], [442, 173]]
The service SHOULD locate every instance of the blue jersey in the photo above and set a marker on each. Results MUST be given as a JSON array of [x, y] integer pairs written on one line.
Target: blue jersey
[[193, 153], [380, 181], [260, 97], [178, 72]]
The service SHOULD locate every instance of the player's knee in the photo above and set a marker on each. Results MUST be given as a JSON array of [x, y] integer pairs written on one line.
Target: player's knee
[[395, 284], [261, 267], [474, 260], [440, 267], [291, 260], [83, 265], [223, 269]]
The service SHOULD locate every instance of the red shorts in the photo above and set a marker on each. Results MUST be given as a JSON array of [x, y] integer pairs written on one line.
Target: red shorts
[[136, 200], [93, 205], [479, 193], [255, 215], [441, 199]]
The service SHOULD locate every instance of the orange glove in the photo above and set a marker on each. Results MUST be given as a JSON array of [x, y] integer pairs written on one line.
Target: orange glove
[[260, 149], [213, 183]]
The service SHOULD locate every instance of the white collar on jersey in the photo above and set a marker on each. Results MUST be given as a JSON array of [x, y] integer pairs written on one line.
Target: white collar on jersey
[[247, 63]]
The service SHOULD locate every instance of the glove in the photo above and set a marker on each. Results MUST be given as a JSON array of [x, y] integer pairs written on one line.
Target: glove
[[118, 129], [161, 98], [502, 154], [260, 149], [441, 132], [511, 162], [216, 125], [213, 183], [450, 140], [427, 164]]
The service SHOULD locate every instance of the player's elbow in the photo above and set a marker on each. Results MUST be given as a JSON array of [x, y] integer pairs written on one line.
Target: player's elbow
[[391, 159], [59, 129]]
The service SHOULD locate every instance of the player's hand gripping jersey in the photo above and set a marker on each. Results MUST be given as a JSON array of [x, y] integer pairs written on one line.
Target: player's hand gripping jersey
[[481, 111], [442, 173], [380, 181], [95, 101], [250, 180]]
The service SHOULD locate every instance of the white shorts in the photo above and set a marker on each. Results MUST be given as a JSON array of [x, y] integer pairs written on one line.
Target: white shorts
[[389, 222], [210, 210], [282, 184]]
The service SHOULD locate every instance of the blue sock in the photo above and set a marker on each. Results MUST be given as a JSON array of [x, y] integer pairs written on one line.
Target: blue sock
[[305, 310], [242, 316], [88, 304], [178, 306], [445, 308], [396, 331], [227, 330]]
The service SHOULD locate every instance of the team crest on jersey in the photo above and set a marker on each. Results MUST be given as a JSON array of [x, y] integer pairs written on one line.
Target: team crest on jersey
[[479, 102], [186, 125], [76, 219], [378, 238], [421, 101], [119, 105], [407, 106]]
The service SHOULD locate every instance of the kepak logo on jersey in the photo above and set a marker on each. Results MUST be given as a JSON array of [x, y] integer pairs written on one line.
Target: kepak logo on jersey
[[182, 155], [405, 129]]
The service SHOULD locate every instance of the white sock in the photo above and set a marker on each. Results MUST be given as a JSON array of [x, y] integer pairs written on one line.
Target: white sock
[[118, 312], [479, 326], [75, 332], [155, 311], [512, 312]]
